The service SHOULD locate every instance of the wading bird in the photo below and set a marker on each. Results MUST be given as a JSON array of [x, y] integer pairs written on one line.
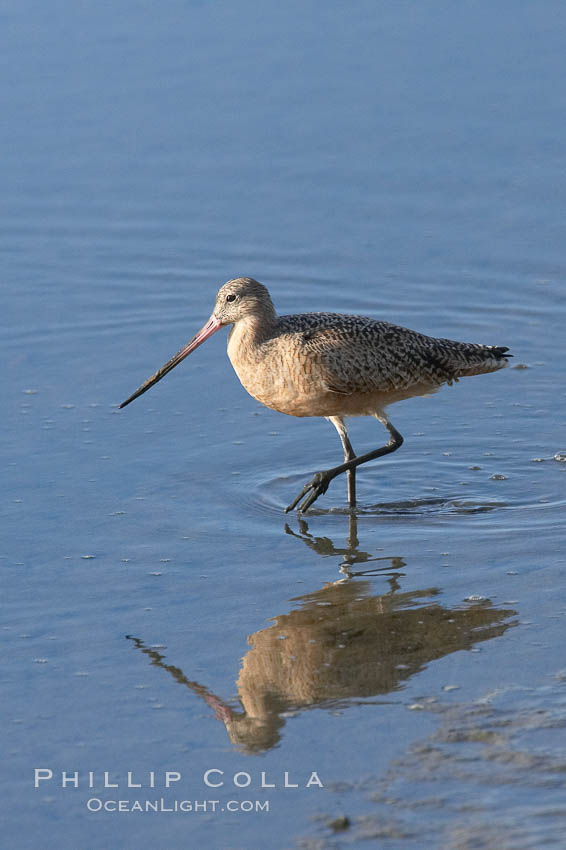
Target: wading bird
[[331, 365]]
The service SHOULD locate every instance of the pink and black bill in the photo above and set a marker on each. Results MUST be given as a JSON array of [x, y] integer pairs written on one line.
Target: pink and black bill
[[211, 327]]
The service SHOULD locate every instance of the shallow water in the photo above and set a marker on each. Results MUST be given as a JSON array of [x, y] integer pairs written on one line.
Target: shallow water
[[161, 612]]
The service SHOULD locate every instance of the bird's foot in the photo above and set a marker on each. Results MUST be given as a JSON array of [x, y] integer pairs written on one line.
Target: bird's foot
[[316, 487]]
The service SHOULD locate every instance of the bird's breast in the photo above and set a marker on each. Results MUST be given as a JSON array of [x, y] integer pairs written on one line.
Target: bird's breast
[[281, 375]]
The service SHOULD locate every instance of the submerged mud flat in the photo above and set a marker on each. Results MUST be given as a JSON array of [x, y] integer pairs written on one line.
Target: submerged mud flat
[[491, 775]]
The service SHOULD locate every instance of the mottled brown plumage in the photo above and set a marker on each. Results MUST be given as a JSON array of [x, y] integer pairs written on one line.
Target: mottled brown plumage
[[332, 365]]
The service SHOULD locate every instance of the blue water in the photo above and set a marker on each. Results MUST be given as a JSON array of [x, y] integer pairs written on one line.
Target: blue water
[[160, 611]]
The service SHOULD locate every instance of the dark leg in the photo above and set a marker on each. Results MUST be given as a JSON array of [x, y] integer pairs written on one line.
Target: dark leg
[[349, 454], [319, 483]]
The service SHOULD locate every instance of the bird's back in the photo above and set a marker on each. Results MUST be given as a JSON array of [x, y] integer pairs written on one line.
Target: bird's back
[[365, 354]]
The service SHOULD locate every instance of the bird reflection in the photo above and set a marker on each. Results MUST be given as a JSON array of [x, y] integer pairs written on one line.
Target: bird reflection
[[340, 644]]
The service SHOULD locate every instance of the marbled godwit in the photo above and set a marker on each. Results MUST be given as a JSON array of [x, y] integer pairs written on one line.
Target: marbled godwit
[[331, 365]]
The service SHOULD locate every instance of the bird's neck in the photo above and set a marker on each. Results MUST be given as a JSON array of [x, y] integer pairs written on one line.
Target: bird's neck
[[248, 334]]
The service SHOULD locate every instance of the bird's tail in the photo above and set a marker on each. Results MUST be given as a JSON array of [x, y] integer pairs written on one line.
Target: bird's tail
[[473, 359]]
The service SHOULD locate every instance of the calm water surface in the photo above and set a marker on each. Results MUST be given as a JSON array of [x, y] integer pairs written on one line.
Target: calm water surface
[[160, 611]]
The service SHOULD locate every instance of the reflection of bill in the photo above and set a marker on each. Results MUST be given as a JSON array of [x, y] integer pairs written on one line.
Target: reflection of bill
[[340, 644]]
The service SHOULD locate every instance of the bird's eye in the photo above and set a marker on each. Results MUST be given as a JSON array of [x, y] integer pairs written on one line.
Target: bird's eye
[[230, 297]]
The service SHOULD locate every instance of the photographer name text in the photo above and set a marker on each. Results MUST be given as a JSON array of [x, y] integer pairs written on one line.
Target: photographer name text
[[211, 778]]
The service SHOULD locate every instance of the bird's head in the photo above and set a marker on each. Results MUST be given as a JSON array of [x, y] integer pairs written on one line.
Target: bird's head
[[240, 298]]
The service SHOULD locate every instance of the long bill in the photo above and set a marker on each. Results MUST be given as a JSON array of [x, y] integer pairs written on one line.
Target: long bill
[[211, 327]]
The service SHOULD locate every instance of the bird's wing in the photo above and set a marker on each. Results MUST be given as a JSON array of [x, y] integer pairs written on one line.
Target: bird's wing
[[365, 355], [359, 354]]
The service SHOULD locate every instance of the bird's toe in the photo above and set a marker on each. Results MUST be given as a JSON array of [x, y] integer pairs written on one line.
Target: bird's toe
[[316, 487]]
